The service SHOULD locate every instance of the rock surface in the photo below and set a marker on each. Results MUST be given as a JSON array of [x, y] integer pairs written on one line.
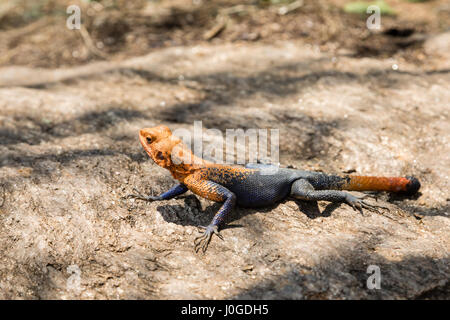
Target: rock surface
[[69, 153], [438, 45]]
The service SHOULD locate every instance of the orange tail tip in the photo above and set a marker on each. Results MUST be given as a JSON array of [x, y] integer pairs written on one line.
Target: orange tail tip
[[408, 186]]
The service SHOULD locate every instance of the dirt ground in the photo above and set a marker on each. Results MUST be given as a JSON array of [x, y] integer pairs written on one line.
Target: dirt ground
[[345, 101]]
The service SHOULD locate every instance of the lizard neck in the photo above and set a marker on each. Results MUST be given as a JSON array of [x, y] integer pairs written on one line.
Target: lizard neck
[[184, 163]]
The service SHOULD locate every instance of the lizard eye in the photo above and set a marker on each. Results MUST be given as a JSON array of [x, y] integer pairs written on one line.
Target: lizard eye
[[149, 140]]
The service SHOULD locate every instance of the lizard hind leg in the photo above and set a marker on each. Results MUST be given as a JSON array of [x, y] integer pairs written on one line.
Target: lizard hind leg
[[303, 190]]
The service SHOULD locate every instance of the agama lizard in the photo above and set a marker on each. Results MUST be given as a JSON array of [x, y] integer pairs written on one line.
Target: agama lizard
[[251, 186]]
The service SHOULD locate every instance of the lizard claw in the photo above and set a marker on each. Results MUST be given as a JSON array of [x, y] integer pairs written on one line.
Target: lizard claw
[[202, 241], [140, 196], [358, 204]]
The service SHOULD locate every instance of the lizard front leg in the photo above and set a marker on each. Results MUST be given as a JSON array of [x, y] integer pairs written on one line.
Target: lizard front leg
[[302, 189], [215, 192], [172, 193]]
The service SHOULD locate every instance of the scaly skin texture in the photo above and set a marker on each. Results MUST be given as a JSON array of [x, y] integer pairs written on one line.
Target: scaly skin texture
[[254, 185]]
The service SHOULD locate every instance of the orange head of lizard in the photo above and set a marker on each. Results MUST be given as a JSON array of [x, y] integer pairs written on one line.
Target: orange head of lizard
[[167, 150], [158, 142]]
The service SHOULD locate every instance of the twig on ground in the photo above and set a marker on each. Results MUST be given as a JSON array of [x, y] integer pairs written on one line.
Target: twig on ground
[[90, 43], [290, 7], [239, 9], [216, 29], [2, 195]]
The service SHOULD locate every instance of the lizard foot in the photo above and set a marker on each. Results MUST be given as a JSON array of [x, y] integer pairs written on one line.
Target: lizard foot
[[140, 196], [202, 241], [358, 204]]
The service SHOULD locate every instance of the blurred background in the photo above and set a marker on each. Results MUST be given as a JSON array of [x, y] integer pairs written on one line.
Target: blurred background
[[32, 32]]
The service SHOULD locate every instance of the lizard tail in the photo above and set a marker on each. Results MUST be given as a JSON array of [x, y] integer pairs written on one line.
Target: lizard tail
[[409, 185]]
